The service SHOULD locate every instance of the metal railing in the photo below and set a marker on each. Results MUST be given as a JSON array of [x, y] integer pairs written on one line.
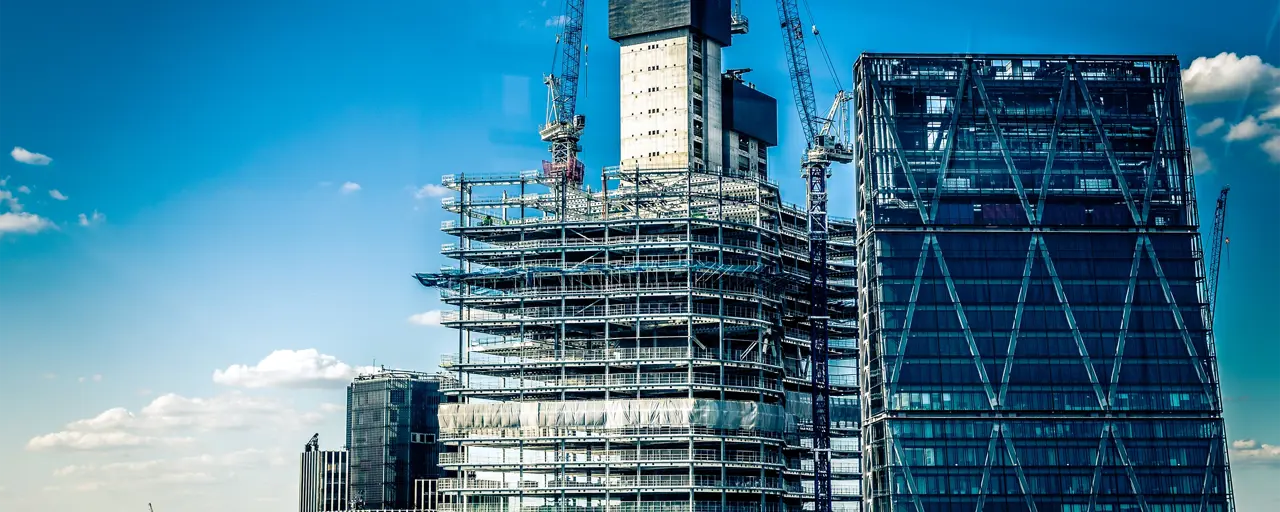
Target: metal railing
[[645, 506], [615, 380], [621, 240], [480, 289], [530, 457], [610, 310], [541, 355], [481, 435], [624, 481]]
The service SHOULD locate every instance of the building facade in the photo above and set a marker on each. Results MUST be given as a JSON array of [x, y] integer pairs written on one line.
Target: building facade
[[393, 437], [324, 479], [643, 347], [1034, 327]]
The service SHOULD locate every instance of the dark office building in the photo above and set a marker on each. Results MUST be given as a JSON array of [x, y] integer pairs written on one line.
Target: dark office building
[[1034, 327], [392, 436]]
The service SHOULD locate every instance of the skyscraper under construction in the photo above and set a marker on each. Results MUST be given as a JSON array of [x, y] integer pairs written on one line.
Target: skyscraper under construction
[[1035, 330], [644, 346]]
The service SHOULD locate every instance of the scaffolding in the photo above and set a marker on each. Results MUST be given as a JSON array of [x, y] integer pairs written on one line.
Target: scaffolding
[[638, 348]]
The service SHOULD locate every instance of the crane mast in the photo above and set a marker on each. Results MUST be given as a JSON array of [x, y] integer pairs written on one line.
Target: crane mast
[[1219, 230], [737, 22], [824, 137], [563, 127]]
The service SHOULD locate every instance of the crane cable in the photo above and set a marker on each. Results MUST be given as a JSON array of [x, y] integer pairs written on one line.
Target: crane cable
[[822, 47]]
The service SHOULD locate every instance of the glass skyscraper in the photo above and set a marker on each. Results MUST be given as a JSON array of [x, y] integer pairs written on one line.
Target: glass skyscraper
[[392, 437], [1035, 333]]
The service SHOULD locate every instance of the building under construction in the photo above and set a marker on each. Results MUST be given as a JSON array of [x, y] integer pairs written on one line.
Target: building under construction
[[644, 346]]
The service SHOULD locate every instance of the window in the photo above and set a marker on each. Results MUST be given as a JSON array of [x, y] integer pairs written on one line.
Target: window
[[396, 396], [937, 104]]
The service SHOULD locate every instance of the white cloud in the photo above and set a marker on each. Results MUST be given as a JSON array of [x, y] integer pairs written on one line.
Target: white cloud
[[1200, 160], [89, 220], [28, 157], [1271, 113], [11, 200], [22, 223], [24, 189], [433, 317], [169, 418], [350, 187], [58, 195], [430, 190], [76, 440], [557, 21], [1211, 126], [1252, 452], [1247, 129], [4, 180], [1227, 77], [199, 469], [1272, 148], [290, 369]]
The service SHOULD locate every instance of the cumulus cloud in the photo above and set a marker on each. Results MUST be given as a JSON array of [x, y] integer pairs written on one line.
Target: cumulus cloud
[[290, 369], [1228, 77], [92, 219], [24, 189], [58, 195], [11, 200], [77, 440], [350, 187], [1247, 129], [1250, 451], [28, 157], [1211, 126], [430, 190], [1271, 113], [1200, 160], [199, 469], [168, 419], [433, 318], [1272, 148], [22, 223]]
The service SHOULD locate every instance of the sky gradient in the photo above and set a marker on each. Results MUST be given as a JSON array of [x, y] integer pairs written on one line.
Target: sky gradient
[[212, 211]]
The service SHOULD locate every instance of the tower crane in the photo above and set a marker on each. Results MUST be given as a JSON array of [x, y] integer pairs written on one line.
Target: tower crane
[[825, 139], [563, 127], [1219, 237], [737, 22]]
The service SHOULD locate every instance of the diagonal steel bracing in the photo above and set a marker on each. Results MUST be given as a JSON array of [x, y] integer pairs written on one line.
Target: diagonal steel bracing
[[986, 468], [951, 146], [883, 105], [964, 321], [906, 322], [1038, 239]]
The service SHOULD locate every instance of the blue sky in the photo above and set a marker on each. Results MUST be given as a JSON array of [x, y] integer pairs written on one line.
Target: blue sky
[[215, 142]]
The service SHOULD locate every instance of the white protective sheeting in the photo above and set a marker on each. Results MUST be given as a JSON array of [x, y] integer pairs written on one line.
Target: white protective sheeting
[[611, 414]]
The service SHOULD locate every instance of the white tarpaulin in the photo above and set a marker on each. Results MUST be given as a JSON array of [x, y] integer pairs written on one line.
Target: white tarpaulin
[[678, 412]]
